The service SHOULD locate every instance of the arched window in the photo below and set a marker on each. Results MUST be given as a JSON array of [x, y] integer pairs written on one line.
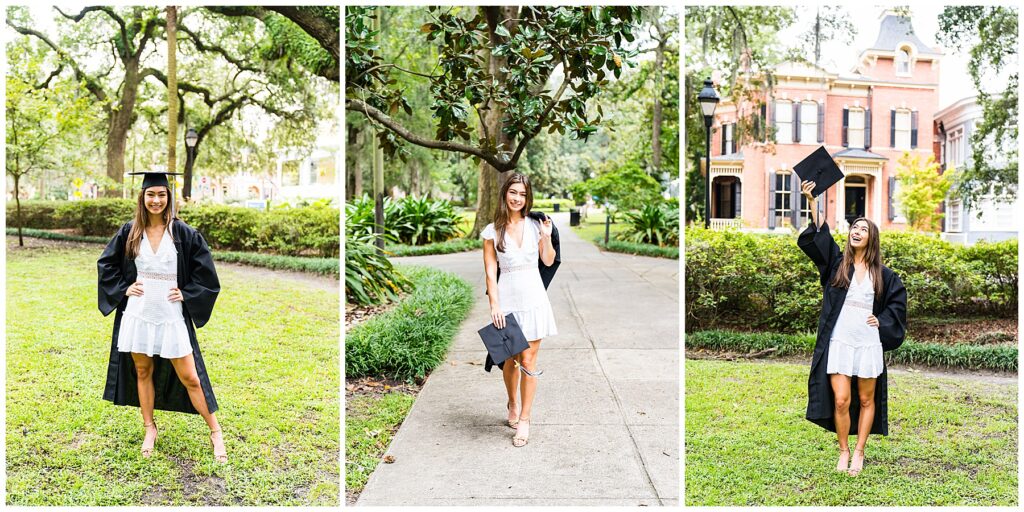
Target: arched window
[[903, 61]]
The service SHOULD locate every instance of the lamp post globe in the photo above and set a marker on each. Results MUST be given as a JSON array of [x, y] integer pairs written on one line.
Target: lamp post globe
[[708, 99]]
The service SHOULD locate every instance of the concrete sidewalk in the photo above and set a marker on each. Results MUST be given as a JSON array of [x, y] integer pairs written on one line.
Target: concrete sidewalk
[[605, 426]]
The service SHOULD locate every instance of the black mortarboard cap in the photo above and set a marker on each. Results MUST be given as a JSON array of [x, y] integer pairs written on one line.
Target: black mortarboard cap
[[155, 179], [819, 168], [504, 343]]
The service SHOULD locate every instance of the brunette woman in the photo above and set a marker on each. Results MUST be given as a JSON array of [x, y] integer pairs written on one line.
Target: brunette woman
[[158, 274], [864, 312], [513, 244]]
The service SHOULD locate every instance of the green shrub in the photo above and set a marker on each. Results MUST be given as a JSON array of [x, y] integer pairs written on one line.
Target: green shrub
[[971, 357], [410, 221], [628, 187], [323, 266], [446, 247], [671, 252], [95, 217], [655, 224], [370, 278], [548, 205], [413, 338], [34, 214], [311, 230], [764, 281]]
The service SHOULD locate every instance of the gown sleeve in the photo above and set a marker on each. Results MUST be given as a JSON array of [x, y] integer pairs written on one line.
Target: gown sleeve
[[112, 284], [200, 293], [892, 320], [820, 247]]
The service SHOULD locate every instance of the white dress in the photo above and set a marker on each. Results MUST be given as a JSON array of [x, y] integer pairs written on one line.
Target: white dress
[[855, 348], [520, 288], [151, 324]]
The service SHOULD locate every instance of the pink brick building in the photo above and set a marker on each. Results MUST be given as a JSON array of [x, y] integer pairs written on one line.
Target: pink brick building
[[865, 119]]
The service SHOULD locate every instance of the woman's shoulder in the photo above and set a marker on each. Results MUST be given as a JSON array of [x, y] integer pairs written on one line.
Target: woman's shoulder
[[488, 232]]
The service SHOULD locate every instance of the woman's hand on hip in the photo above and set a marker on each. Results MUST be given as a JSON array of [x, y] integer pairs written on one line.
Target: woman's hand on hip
[[175, 296], [135, 290], [872, 321], [497, 318]]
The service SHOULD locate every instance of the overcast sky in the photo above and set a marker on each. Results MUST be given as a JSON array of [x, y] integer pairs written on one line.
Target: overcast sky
[[954, 80]]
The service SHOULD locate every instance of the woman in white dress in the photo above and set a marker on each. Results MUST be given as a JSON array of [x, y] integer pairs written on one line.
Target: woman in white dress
[[513, 244], [863, 313], [154, 266]]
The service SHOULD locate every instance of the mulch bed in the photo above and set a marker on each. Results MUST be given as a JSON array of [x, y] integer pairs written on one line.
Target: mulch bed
[[976, 331]]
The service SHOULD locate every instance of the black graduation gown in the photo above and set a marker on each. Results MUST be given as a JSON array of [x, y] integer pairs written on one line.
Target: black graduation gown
[[547, 273], [891, 311], [197, 280]]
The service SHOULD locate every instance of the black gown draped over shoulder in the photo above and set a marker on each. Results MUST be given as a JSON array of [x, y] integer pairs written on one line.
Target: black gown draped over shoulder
[[891, 311], [197, 280]]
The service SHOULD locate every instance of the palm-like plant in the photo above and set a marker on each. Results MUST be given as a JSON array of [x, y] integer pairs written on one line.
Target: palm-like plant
[[653, 224]]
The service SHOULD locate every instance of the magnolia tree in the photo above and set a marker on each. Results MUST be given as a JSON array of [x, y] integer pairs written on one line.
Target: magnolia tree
[[512, 71]]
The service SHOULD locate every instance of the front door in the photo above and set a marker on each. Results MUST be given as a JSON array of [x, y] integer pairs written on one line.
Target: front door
[[856, 198]]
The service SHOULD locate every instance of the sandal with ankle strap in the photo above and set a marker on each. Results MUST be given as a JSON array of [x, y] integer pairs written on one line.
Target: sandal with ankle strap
[[844, 460], [220, 457], [148, 451], [512, 423], [857, 466], [520, 440]]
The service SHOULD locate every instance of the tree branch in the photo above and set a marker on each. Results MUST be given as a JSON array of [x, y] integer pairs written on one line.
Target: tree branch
[[210, 47], [540, 122], [90, 84], [356, 105]]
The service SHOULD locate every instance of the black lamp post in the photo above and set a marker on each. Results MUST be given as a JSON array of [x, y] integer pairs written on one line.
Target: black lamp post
[[708, 99], [191, 139]]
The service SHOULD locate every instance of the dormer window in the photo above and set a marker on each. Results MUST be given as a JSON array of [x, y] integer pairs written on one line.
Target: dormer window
[[902, 61]]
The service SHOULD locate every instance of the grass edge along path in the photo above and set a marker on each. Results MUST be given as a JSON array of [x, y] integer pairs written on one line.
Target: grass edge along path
[[951, 441], [406, 342], [969, 357], [322, 266]]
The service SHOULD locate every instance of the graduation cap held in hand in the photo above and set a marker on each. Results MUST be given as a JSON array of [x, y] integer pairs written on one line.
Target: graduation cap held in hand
[[504, 343], [819, 168]]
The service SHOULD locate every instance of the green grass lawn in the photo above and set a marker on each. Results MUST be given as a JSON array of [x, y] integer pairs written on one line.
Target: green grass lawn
[[271, 349], [370, 424], [952, 442], [593, 226]]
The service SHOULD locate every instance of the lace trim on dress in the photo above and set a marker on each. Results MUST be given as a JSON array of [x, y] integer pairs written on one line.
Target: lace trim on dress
[[158, 275], [857, 304], [517, 268]]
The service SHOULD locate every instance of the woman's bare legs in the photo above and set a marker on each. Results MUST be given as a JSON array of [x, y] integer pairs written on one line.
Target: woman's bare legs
[[144, 382], [866, 393], [185, 367], [510, 374], [527, 389], [841, 390]]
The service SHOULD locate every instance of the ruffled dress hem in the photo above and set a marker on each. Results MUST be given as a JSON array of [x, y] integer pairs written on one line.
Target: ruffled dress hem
[[863, 361]]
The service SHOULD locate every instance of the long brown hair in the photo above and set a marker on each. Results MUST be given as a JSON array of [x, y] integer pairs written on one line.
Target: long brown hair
[[502, 216], [142, 222], [872, 257]]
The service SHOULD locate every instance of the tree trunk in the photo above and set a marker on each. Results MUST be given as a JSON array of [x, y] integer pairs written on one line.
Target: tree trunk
[[172, 94], [120, 121], [17, 207], [490, 178], [659, 80]]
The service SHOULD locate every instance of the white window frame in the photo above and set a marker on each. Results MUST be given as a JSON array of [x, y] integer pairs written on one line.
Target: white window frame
[[956, 150], [899, 63], [728, 133], [903, 128], [782, 215], [851, 129], [954, 216], [784, 129], [808, 122]]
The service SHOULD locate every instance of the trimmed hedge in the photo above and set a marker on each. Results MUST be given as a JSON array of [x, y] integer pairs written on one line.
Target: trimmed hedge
[[638, 249], [412, 339], [325, 266], [447, 247], [971, 357], [297, 231], [548, 205], [764, 281]]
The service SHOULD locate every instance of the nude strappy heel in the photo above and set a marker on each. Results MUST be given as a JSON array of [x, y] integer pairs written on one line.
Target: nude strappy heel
[[856, 466], [844, 460], [512, 422], [519, 440], [220, 457], [148, 451]]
